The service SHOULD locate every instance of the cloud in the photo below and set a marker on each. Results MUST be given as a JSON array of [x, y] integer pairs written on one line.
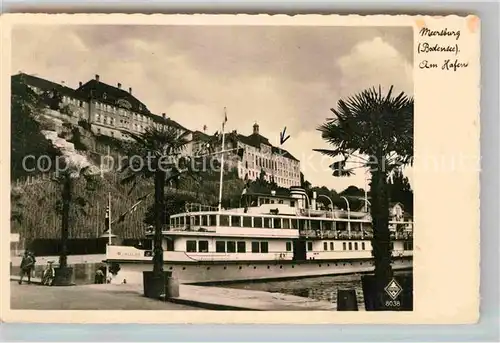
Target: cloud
[[276, 76]]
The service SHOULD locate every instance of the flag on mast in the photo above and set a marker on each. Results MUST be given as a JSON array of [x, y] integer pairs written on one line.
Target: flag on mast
[[225, 118]]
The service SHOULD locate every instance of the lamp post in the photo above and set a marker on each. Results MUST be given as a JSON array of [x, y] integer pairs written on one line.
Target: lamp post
[[348, 216]]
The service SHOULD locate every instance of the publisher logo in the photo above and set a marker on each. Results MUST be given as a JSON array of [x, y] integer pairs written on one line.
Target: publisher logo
[[393, 289]]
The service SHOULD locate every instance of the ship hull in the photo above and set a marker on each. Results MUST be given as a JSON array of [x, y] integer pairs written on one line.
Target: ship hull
[[225, 272]]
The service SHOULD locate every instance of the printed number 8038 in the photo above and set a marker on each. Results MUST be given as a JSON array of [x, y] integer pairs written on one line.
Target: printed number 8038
[[392, 303]]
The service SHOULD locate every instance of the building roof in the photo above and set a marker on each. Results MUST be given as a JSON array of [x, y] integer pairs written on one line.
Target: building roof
[[100, 91], [114, 96], [256, 140], [44, 84]]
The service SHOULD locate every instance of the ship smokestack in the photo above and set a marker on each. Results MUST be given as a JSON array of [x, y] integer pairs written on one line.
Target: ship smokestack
[[313, 201]]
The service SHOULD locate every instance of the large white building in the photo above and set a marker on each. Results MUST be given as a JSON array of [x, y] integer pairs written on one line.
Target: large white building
[[259, 155]]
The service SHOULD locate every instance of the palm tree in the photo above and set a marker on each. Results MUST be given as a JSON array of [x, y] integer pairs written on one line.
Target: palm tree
[[157, 154], [374, 131], [66, 180]]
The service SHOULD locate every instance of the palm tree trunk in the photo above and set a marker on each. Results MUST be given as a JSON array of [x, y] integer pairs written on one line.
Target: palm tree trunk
[[381, 244], [159, 221], [66, 200]]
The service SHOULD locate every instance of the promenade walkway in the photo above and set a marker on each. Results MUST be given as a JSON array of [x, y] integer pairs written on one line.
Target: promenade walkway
[[37, 297], [130, 297]]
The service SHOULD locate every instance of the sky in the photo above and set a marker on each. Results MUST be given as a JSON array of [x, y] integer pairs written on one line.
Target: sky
[[275, 76]]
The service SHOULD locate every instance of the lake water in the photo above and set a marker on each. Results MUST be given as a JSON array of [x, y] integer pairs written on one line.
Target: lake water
[[319, 288]]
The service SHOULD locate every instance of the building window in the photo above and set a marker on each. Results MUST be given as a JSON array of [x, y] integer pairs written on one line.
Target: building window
[[241, 247], [98, 131], [309, 246], [190, 246], [288, 246], [81, 103], [255, 247], [325, 246], [231, 246], [220, 246], [264, 247]]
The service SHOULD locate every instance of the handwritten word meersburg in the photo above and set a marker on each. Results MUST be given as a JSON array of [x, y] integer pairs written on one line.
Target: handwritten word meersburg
[[439, 33]]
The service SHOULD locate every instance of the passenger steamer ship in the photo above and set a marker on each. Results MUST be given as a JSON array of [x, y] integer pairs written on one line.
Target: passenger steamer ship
[[275, 237]]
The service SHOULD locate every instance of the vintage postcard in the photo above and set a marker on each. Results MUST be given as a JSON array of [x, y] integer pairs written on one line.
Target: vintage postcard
[[240, 163]]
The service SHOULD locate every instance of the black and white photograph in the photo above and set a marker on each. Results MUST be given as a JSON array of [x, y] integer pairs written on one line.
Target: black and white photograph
[[212, 167]]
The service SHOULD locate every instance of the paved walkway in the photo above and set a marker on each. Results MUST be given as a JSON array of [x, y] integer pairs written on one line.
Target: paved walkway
[[130, 297], [37, 297]]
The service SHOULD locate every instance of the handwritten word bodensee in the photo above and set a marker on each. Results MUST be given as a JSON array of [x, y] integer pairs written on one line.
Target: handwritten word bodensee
[[436, 44]]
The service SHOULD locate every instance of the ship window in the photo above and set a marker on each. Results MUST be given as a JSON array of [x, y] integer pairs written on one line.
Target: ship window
[[224, 220], [190, 246], [255, 247], [325, 246], [293, 223], [267, 223], [314, 224], [182, 220], [204, 220], [362, 245], [309, 246], [277, 223], [280, 202], [286, 223], [356, 246], [247, 221], [203, 246], [257, 222], [264, 247], [196, 220], [241, 247], [220, 246], [327, 225], [235, 221], [266, 201], [343, 246], [231, 246], [213, 220], [292, 203], [332, 246], [288, 246], [272, 201], [350, 245]]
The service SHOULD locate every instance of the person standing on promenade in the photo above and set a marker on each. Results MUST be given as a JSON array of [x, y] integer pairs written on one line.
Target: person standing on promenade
[[27, 266]]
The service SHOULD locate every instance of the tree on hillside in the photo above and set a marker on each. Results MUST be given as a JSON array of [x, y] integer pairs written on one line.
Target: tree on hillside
[[159, 151], [400, 190], [26, 138], [373, 131], [304, 183]]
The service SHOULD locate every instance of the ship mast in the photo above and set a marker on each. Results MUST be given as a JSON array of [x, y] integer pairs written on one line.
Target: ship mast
[[222, 160]]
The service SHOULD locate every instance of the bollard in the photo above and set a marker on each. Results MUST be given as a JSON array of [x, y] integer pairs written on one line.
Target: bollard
[[172, 290], [346, 300]]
